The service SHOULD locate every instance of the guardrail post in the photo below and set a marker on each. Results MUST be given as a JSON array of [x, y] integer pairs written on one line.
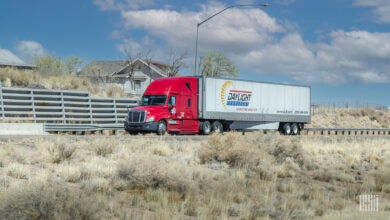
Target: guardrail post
[[33, 106], [116, 112], [90, 109], [1, 101], [63, 107]]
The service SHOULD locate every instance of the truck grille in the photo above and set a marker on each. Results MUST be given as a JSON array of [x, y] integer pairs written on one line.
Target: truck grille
[[136, 116]]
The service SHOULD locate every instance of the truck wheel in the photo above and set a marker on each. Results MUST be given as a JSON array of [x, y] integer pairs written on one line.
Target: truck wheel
[[161, 128], [206, 128], [294, 129], [216, 127], [287, 129]]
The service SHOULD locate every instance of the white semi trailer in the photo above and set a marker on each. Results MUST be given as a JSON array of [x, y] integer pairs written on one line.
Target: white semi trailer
[[246, 105]]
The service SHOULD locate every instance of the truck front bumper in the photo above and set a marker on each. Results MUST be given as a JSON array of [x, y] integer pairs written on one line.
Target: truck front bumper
[[141, 127]]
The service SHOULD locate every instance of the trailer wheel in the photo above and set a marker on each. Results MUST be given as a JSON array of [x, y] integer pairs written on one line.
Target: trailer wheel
[[206, 128], [287, 129], [216, 127], [161, 128], [295, 129]]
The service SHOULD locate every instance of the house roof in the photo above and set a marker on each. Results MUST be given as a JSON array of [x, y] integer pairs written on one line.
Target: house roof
[[155, 67], [7, 58], [103, 68]]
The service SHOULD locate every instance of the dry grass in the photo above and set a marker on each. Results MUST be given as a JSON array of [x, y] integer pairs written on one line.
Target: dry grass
[[228, 176], [352, 118], [31, 79]]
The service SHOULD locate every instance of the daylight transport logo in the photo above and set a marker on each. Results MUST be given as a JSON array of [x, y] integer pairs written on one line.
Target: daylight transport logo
[[233, 97]]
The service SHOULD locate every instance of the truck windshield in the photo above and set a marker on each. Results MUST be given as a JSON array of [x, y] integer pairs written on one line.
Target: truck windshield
[[153, 100]]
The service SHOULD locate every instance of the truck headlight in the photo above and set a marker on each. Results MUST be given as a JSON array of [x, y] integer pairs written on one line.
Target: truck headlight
[[150, 119]]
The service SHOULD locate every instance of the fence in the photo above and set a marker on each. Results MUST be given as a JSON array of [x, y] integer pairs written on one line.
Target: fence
[[61, 106]]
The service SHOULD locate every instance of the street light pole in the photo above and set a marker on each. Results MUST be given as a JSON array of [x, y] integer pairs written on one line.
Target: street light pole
[[219, 12]]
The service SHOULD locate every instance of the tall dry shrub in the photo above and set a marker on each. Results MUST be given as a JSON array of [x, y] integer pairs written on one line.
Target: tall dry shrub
[[11, 77], [49, 201], [232, 148], [149, 171], [60, 151]]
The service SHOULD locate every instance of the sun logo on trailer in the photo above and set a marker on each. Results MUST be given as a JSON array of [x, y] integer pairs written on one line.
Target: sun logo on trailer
[[232, 97], [223, 92]]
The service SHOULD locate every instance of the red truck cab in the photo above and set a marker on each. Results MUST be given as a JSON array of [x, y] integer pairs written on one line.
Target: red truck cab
[[167, 105]]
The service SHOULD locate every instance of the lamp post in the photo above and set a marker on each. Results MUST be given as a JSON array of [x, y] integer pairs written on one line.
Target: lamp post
[[219, 12]]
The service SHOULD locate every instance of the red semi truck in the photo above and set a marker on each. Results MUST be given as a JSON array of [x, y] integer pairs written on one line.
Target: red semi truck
[[201, 105]]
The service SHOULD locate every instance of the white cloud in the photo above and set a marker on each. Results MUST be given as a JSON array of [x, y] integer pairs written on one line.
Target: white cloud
[[29, 49], [260, 44], [235, 30], [381, 8], [349, 57]]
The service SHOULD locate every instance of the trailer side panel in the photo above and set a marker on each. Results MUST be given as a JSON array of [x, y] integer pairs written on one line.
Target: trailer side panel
[[238, 100]]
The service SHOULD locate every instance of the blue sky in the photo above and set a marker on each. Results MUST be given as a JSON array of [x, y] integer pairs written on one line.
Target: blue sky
[[341, 48]]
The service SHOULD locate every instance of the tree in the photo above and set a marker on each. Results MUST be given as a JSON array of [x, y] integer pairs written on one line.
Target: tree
[[72, 64], [175, 62], [51, 65], [216, 64], [48, 65]]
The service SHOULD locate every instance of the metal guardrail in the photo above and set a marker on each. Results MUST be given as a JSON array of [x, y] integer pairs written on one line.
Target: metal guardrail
[[61, 107], [81, 127], [306, 131], [346, 131]]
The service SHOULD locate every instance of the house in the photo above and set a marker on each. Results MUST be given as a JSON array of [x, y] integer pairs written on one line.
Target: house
[[101, 71], [143, 74], [118, 72], [8, 59]]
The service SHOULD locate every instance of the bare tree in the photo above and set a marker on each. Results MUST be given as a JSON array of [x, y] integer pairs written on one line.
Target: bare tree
[[148, 59], [131, 57], [175, 62]]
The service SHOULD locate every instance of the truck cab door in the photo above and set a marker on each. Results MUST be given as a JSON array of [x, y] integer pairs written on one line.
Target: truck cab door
[[180, 114], [174, 121]]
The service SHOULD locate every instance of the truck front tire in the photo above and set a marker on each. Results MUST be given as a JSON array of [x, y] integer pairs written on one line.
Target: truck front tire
[[161, 128]]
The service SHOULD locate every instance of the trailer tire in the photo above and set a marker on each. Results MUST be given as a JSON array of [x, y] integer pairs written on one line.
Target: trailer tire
[[295, 129], [161, 128], [206, 128], [216, 127], [287, 129]]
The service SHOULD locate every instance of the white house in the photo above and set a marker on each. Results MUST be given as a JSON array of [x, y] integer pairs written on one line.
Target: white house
[[118, 72], [143, 74]]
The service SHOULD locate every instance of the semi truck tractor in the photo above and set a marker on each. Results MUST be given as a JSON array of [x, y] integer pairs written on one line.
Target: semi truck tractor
[[202, 105]]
